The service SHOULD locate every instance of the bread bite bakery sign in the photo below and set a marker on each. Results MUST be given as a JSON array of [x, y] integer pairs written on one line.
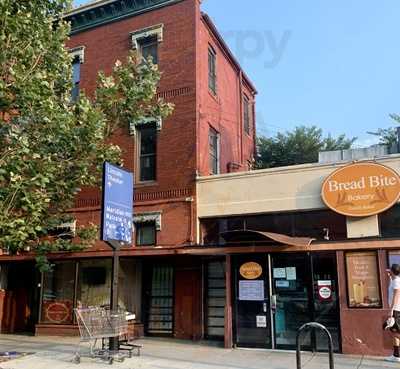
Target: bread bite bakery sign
[[361, 189]]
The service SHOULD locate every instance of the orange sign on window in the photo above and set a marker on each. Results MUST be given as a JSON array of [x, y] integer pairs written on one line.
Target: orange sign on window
[[251, 270], [362, 189]]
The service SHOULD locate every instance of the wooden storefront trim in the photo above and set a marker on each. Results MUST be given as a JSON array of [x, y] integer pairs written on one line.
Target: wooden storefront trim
[[217, 250]]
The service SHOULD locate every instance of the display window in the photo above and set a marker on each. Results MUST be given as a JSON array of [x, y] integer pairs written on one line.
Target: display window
[[363, 287]]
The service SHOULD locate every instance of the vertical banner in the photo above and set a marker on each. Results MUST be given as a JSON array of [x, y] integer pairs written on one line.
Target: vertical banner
[[117, 206]]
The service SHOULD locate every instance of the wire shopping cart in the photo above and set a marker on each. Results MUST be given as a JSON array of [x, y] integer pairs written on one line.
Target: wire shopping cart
[[97, 323]]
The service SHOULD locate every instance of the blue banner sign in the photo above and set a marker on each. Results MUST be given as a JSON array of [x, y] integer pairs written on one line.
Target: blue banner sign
[[117, 207]]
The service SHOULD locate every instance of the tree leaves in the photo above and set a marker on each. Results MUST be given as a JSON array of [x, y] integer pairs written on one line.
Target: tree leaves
[[299, 146], [50, 148]]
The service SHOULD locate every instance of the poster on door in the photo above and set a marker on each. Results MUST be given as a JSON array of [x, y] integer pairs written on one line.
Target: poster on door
[[251, 290]]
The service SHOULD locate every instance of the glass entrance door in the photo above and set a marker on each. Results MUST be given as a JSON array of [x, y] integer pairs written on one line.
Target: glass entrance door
[[291, 281], [253, 324], [304, 288]]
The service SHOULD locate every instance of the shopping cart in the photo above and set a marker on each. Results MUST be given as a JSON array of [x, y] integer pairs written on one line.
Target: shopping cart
[[97, 323]]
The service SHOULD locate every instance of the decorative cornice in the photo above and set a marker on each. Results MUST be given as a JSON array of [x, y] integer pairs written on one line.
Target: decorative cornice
[[154, 216], [103, 12], [78, 52], [157, 121], [137, 35]]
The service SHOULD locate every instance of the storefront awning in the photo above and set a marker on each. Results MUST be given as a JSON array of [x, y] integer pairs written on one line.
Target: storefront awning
[[246, 236]]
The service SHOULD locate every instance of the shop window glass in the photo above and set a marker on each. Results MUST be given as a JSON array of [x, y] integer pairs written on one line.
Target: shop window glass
[[58, 294], [363, 280], [94, 283], [130, 286], [390, 222], [322, 225], [277, 223], [394, 257]]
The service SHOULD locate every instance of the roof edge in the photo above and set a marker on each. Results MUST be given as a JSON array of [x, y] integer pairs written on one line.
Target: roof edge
[[227, 50]]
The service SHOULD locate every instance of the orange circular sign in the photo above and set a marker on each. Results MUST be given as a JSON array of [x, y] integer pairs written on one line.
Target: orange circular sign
[[361, 189], [251, 270], [57, 312]]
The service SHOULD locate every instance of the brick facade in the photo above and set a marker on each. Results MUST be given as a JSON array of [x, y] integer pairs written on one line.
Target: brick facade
[[182, 143]]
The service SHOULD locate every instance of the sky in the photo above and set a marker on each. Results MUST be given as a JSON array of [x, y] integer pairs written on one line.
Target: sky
[[333, 64]]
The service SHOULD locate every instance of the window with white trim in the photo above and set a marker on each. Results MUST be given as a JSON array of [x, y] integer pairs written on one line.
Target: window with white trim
[[147, 153], [212, 70], [213, 139], [146, 41]]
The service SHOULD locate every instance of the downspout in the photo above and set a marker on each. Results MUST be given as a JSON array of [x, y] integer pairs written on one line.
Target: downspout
[[241, 115]]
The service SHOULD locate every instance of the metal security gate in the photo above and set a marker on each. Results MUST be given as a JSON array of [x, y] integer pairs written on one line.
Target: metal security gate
[[160, 310], [215, 299]]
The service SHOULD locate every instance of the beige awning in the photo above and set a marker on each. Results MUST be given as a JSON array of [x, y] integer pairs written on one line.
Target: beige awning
[[249, 236]]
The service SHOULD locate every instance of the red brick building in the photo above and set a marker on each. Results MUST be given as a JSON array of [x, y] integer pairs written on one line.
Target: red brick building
[[211, 131]]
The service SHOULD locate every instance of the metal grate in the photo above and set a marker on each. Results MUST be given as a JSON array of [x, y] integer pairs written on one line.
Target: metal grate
[[161, 308], [216, 290]]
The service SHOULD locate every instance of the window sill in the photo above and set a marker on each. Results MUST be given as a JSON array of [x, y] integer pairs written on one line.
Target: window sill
[[145, 184], [213, 95]]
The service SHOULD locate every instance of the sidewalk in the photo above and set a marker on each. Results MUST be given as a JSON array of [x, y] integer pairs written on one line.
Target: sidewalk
[[56, 353]]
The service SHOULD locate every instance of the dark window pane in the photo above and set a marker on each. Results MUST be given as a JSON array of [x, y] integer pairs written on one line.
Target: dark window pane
[[76, 72], [322, 225], [212, 75], [148, 156], [246, 114], [214, 151], [76, 77], [148, 168], [145, 234], [149, 47], [276, 223], [390, 222]]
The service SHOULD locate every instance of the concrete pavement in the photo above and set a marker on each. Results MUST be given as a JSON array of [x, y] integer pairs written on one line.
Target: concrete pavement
[[57, 353]]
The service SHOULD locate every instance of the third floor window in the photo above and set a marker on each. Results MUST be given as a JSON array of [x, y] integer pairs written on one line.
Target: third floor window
[[212, 71], [246, 114], [149, 48]]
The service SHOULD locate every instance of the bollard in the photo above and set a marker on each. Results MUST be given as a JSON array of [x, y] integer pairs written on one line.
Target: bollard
[[298, 346]]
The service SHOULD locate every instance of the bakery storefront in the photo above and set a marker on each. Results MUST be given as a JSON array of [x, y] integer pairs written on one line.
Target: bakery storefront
[[307, 243]]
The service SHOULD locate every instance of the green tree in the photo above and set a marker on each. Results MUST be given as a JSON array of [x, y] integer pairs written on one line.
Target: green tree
[[299, 146], [49, 147], [387, 136]]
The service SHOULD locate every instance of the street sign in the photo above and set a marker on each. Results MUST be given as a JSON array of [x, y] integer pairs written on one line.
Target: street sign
[[117, 206]]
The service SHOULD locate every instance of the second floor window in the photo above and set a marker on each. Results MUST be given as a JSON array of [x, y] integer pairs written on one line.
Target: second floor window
[[147, 140], [212, 71], [214, 151], [145, 234], [76, 78], [149, 48], [246, 114]]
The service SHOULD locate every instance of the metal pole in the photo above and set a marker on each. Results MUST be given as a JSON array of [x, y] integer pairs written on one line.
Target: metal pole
[[298, 345], [114, 295]]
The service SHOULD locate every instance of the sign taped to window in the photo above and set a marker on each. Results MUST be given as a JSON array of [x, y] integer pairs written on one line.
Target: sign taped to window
[[251, 290]]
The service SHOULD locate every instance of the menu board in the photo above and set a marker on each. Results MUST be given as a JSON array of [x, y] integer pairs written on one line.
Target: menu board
[[363, 279]]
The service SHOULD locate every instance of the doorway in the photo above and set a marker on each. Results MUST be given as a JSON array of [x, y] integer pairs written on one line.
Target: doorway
[[21, 307], [281, 292], [252, 302], [304, 286]]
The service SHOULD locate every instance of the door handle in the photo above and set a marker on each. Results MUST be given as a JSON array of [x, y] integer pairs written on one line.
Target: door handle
[[274, 302]]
